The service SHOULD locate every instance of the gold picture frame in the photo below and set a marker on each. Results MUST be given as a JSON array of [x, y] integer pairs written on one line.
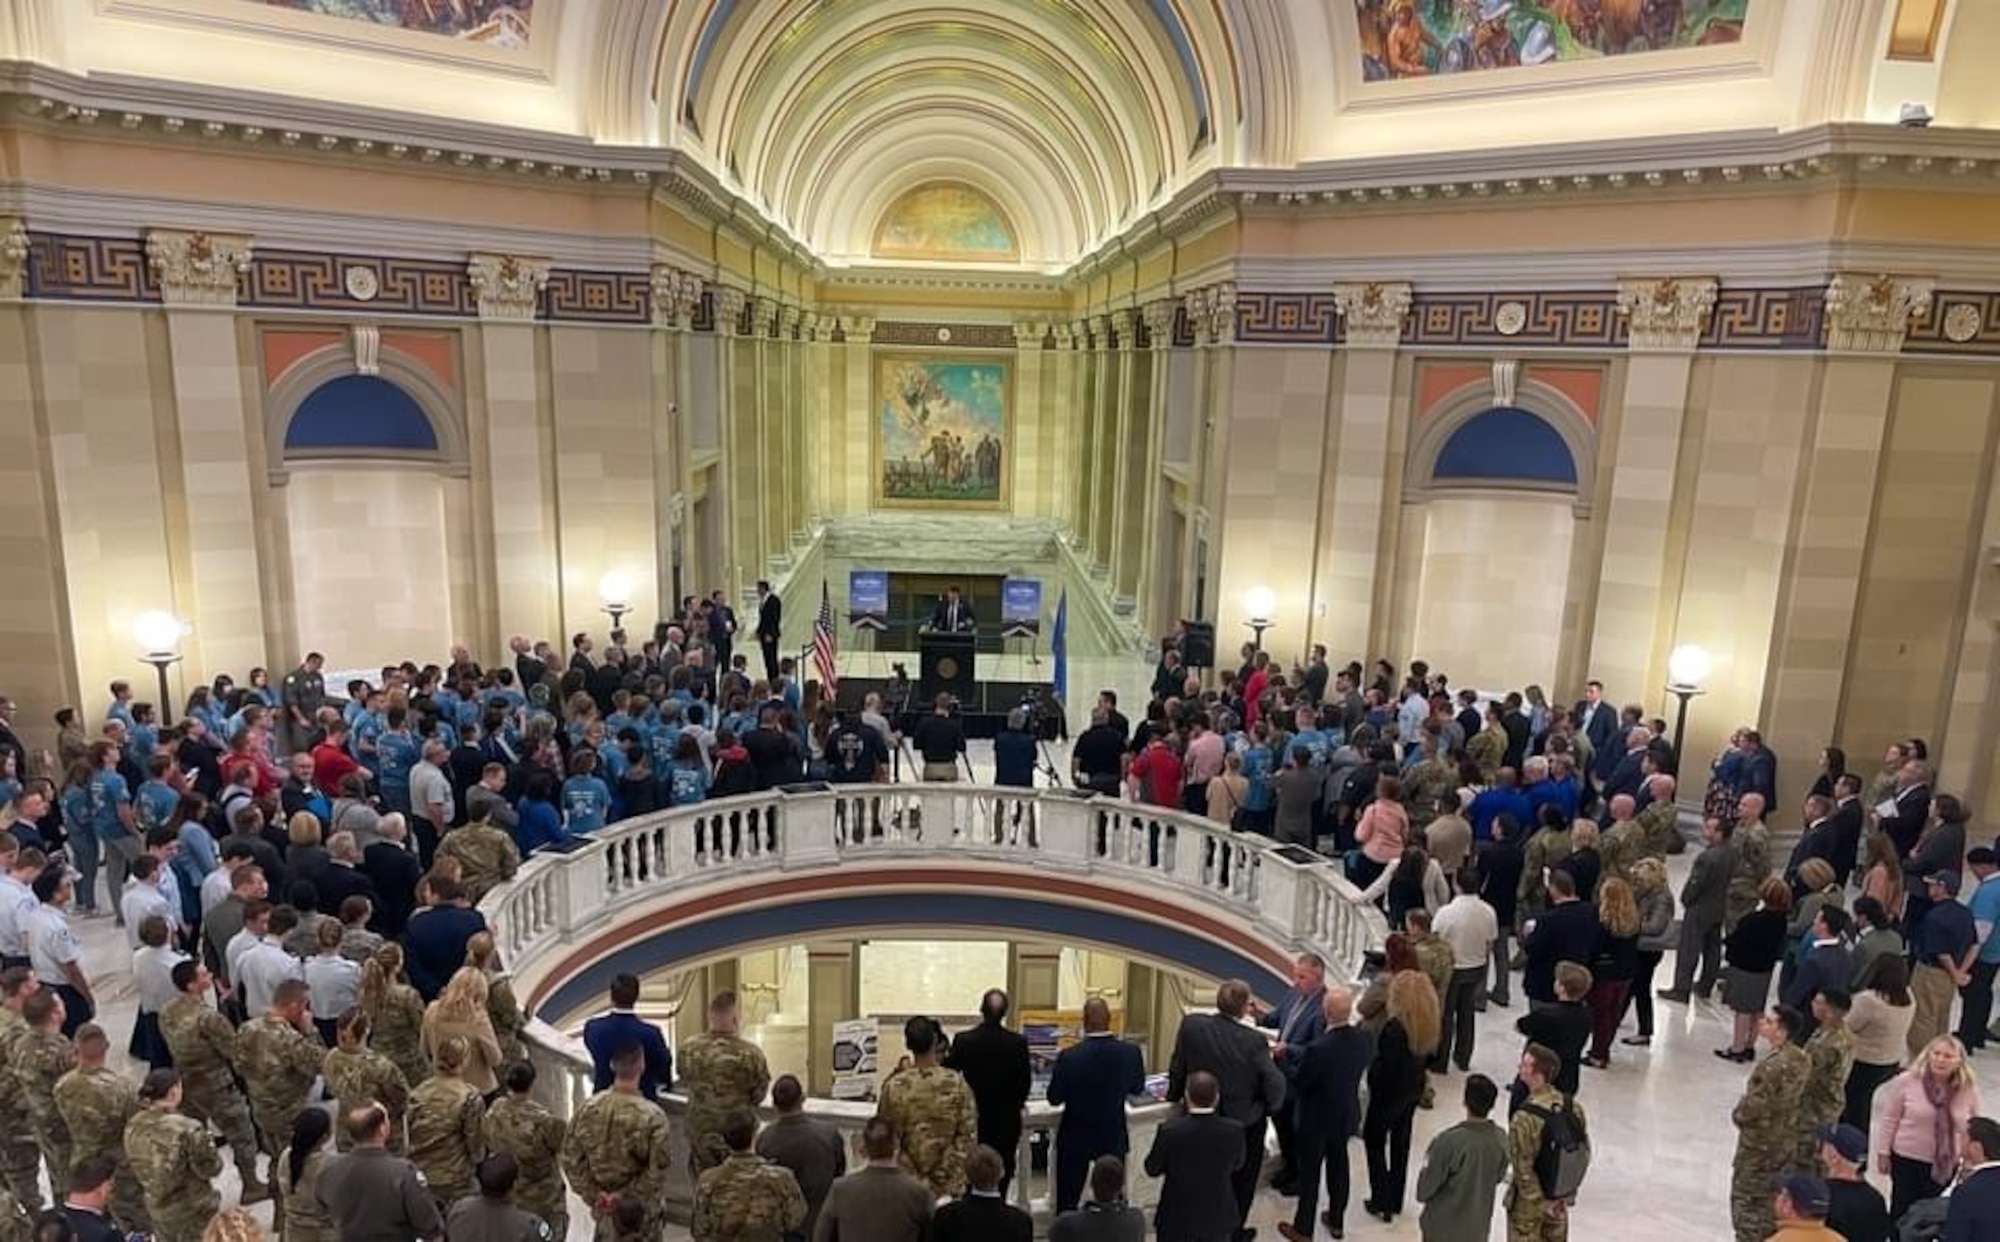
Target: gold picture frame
[[942, 431]]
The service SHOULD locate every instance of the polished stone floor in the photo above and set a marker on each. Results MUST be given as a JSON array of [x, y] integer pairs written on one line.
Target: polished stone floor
[[1659, 1115]]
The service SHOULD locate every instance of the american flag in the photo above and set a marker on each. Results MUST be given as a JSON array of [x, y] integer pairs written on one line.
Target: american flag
[[823, 649]]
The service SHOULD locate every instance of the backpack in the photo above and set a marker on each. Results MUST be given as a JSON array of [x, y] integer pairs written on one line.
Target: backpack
[[1564, 1155]]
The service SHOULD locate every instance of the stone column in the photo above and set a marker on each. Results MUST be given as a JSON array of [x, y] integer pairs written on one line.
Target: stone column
[[1357, 451], [1142, 517], [1628, 643], [739, 470], [857, 415], [1103, 439], [833, 994], [676, 294], [519, 488], [1212, 312], [1846, 440], [1083, 419], [1032, 424], [221, 456], [822, 432], [1059, 426]]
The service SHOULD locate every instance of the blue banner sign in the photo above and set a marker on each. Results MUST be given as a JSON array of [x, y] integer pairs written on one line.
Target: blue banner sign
[[1020, 607], [868, 598]]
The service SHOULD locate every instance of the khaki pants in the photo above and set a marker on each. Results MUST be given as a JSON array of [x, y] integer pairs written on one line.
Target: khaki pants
[[1932, 990], [941, 771]]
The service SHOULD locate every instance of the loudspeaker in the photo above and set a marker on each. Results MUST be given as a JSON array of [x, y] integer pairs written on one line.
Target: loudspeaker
[[1198, 644]]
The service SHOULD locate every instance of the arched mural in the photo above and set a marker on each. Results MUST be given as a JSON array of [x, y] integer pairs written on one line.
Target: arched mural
[[946, 221]]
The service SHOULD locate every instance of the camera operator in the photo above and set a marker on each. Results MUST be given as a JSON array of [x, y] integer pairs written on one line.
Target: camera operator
[[1014, 750], [940, 740], [1096, 761]]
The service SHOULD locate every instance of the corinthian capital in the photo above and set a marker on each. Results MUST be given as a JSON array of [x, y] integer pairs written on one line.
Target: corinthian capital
[[197, 269], [729, 304], [1374, 313], [1159, 317], [506, 285], [1872, 314], [13, 257], [1668, 313], [676, 294]]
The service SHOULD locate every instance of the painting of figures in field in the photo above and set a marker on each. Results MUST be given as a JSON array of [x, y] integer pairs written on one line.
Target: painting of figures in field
[[941, 432], [1430, 38], [496, 23]]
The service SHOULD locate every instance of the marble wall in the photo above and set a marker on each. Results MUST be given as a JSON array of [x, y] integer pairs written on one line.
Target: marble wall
[[370, 562], [1493, 574]]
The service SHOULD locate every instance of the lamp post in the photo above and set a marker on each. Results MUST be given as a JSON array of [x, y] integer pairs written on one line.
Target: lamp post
[[159, 634], [1261, 602], [1687, 667], [614, 594]]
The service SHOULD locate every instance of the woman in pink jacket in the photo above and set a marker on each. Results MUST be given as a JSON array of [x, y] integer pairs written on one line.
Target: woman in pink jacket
[[1381, 832], [1923, 1125]]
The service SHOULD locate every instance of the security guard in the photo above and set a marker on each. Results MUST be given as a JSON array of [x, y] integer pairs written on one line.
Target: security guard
[[374, 1196]]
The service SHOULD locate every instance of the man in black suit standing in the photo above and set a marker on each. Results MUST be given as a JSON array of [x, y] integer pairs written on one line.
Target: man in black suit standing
[[1238, 1058], [721, 627], [1819, 839], [1197, 1157], [1596, 719], [1327, 1097], [770, 616], [994, 1063], [1091, 1081], [1848, 818], [983, 1214], [1628, 772], [1974, 1212], [1566, 932], [1912, 809], [953, 614]]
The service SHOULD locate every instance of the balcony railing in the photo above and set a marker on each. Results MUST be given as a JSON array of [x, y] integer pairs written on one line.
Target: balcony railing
[[1290, 898]]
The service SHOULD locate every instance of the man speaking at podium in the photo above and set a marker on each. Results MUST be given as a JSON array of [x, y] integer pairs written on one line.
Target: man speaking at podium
[[953, 615]]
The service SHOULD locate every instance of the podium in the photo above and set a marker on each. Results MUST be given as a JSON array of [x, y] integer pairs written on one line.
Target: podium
[[944, 666]]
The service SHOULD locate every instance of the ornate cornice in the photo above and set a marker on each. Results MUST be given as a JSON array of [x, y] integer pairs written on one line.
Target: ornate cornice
[[13, 257], [197, 269], [507, 285], [1872, 314], [1667, 314], [1373, 312], [675, 295]]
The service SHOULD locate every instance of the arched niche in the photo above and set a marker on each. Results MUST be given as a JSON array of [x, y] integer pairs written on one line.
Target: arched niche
[[1540, 443], [379, 409]]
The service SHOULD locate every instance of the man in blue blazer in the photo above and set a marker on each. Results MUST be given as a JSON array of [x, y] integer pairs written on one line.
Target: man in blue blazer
[[1092, 1080], [1299, 1019], [1596, 719], [620, 1027], [1974, 1213]]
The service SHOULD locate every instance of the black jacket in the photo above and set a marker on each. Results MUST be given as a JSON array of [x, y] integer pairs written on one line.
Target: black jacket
[[1194, 1156], [336, 883], [981, 1219], [1252, 1087], [994, 1061], [1328, 1093], [394, 872], [1092, 1080], [769, 614], [1563, 1029], [1563, 933]]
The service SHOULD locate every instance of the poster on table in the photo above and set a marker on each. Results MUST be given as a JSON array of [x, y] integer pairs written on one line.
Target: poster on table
[[854, 1042], [1020, 607], [868, 599]]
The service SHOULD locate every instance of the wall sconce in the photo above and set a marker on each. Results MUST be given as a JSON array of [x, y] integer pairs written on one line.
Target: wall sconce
[[159, 634], [1261, 602], [614, 594], [1688, 666]]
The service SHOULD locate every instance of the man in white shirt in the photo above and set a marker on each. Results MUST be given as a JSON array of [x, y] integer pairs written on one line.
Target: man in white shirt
[[431, 803], [153, 981], [18, 869], [1469, 926], [53, 953], [216, 885], [264, 964], [143, 897], [256, 922]]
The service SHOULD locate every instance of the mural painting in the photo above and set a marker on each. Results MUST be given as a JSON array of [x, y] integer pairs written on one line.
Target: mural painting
[[945, 220], [497, 23], [941, 432], [1426, 38]]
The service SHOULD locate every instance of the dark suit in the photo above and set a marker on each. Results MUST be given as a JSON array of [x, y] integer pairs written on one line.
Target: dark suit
[[770, 613], [336, 882], [1252, 1087], [1913, 808], [1625, 777], [1704, 904], [1820, 968], [1601, 729], [1091, 1081], [981, 1218], [1563, 933], [1327, 1097], [1817, 841], [1975, 1208], [1299, 1019], [1196, 1157], [1847, 820], [994, 1061], [952, 618], [606, 1033], [394, 871]]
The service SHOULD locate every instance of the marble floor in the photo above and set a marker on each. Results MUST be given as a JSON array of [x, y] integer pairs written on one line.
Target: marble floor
[[1659, 1116]]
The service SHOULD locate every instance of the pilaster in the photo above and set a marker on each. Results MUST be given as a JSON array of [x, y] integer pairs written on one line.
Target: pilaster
[[1116, 398], [1027, 457], [833, 994], [1142, 567], [13, 258], [1357, 468], [507, 286], [822, 428], [742, 448], [525, 595], [859, 332], [675, 297]]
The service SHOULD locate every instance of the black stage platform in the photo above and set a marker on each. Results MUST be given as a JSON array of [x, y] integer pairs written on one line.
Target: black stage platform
[[985, 713]]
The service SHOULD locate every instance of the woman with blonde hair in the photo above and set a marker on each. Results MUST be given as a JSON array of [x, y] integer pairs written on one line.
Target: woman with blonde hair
[[1613, 967], [503, 1009], [395, 1012], [459, 1013], [1584, 864], [1923, 1124], [234, 1224], [1396, 1083], [447, 1125], [1882, 875], [356, 1073], [1655, 900]]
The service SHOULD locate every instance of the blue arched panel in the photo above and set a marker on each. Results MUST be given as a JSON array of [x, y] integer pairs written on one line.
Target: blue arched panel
[[360, 412], [1506, 445]]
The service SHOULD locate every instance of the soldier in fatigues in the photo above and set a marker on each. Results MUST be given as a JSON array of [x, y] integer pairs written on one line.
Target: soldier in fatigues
[[1425, 781], [746, 1198], [356, 1074], [1767, 1125], [279, 1056], [20, 1154], [720, 1072], [487, 856], [395, 1013], [1830, 1053], [1488, 747], [447, 1125], [39, 1057], [1623, 843], [936, 1121], [533, 1136], [174, 1160], [203, 1045], [1549, 846], [618, 1144], [1660, 821], [95, 1104], [1531, 1216], [1753, 862]]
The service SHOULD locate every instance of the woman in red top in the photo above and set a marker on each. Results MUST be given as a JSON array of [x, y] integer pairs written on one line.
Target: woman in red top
[[1156, 775]]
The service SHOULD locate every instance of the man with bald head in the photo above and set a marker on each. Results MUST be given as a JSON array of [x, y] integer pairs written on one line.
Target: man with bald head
[[1626, 774], [1659, 818], [1622, 842], [1753, 857], [1328, 1097], [1092, 1080]]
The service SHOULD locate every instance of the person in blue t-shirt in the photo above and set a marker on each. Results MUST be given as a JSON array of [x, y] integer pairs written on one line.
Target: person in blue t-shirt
[[396, 754], [1257, 757], [110, 821], [368, 727], [1316, 743], [541, 823], [153, 806], [686, 776], [121, 703], [75, 805], [586, 799]]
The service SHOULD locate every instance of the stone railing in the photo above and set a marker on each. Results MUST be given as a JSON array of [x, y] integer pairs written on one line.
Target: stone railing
[[1289, 898]]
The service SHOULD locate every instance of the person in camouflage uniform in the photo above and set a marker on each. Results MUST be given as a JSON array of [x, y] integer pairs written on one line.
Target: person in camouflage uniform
[[1531, 1216], [203, 1045], [746, 1198], [487, 857], [720, 1072], [533, 1136], [16, 1225], [174, 1160], [1767, 1124], [1549, 846], [1753, 861], [448, 1125], [20, 1154], [95, 1104], [1830, 1052], [1488, 747], [932, 1109], [39, 1057], [1661, 820], [279, 1054], [1427, 780], [356, 1074], [618, 1145], [1621, 844], [503, 1009], [395, 1013]]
